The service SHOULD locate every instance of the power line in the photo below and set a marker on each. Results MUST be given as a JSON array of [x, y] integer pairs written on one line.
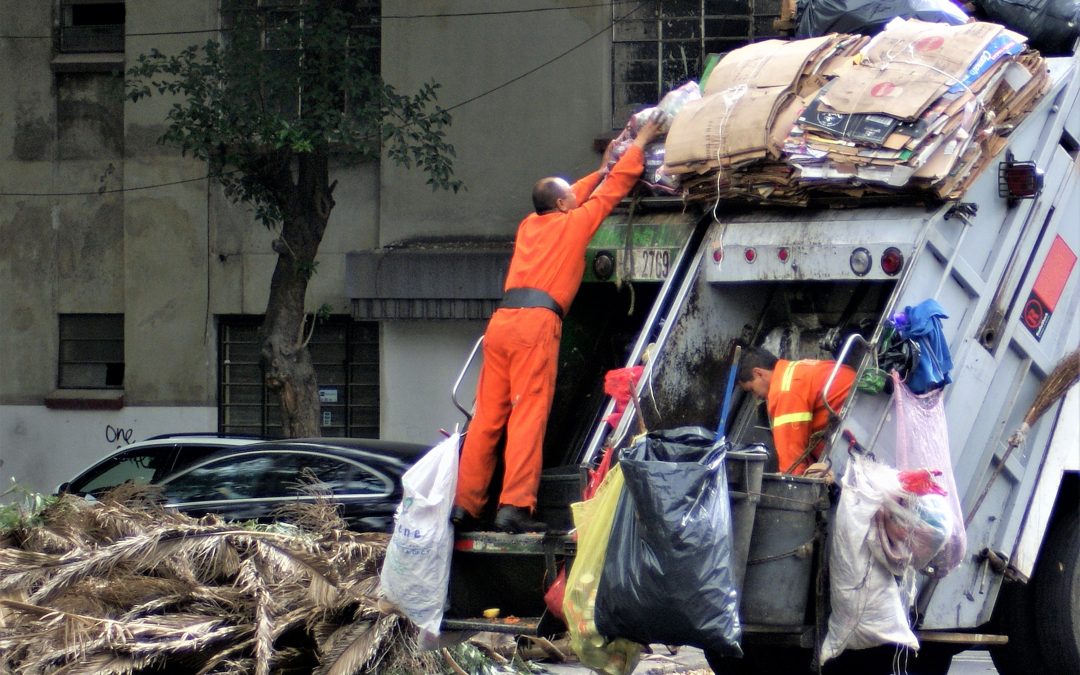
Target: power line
[[448, 109], [551, 60], [90, 193], [447, 15]]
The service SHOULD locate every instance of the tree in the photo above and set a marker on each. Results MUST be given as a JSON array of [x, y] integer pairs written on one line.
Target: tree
[[287, 91]]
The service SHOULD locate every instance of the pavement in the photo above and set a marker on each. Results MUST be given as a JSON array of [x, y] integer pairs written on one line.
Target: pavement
[[687, 660]]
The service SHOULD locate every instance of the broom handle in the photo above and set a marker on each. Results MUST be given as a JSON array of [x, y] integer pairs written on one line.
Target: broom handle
[[725, 407]]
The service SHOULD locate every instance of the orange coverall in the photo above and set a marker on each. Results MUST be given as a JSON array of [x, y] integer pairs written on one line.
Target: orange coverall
[[521, 345], [796, 409]]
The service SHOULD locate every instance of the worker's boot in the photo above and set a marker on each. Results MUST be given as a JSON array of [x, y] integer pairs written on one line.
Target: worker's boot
[[463, 521], [516, 519]]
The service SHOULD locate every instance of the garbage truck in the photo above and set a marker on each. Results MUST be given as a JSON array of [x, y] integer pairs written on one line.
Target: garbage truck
[[677, 289]]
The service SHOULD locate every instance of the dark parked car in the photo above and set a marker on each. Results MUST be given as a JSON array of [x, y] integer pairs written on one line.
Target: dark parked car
[[253, 482], [149, 461]]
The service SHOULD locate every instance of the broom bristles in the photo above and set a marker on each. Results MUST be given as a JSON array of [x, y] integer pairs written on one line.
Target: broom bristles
[[1065, 374]]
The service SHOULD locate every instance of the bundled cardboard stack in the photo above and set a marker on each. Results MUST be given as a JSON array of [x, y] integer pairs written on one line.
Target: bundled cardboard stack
[[919, 108]]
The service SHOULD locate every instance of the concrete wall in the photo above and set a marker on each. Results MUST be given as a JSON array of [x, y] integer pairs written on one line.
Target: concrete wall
[[541, 124]]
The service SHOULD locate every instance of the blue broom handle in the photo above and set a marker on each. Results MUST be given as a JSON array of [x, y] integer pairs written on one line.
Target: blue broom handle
[[725, 407]]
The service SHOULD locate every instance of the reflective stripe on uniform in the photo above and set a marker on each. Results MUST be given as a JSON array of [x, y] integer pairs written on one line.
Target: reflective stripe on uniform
[[789, 374], [792, 418]]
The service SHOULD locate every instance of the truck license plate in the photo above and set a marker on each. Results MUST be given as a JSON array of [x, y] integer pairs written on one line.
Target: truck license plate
[[650, 264]]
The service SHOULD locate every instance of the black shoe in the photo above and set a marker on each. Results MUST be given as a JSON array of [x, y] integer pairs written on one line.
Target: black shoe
[[463, 521], [516, 519]]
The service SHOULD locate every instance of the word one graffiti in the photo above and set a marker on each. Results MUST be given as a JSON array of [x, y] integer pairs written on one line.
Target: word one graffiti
[[118, 434]]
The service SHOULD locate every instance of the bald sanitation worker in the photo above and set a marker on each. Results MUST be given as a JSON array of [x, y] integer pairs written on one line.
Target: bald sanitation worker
[[521, 343]]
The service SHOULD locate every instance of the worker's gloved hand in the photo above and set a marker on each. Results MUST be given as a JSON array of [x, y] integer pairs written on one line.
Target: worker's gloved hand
[[820, 470], [649, 130]]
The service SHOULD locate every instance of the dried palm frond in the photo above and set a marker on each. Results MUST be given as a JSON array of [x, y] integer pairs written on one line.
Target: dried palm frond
[[126, 587], [317, 514]]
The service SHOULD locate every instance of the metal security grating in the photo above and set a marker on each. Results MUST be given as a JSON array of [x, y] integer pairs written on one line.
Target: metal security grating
[[659, 46], [345, 355]]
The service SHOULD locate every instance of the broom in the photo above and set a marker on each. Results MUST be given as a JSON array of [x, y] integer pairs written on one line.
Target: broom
[[1062, 378]]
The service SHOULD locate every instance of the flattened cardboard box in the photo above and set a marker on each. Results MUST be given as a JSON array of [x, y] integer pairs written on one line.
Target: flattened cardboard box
[[948, 49], [771, 63], [720, 126]]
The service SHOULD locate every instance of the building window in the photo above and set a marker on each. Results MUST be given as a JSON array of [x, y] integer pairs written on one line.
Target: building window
[[661, 45], [345, 354], [91, 351], [90, 26]]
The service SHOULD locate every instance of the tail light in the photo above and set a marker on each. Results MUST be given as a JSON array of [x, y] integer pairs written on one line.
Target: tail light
[[860, 261], [718, 254], [783, 254], [750, 254], [1019, 180], [603, 265], [892, 261]]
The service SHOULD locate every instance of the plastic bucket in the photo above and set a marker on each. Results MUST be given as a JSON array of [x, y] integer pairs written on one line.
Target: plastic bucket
[[776, 586], [744, 470]]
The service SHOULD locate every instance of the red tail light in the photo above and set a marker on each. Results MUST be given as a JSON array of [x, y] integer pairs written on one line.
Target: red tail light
[[892, 261], [1019, 180], [782, 254], [750, 254]]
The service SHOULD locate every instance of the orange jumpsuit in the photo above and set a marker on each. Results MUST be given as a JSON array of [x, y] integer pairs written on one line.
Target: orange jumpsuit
[[796, 409], [521, 345]]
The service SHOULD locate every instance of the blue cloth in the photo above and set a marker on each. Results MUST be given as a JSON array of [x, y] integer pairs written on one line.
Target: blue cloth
[[935, 362]]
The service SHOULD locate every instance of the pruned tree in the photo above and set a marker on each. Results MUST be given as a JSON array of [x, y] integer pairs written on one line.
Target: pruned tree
[[284, 93]]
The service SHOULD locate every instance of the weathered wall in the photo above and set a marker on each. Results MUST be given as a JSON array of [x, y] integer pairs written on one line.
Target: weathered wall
[[541, 124]]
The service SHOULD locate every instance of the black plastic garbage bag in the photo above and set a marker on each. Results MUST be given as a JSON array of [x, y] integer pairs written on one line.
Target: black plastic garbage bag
[[821, 17], [1050, 25], [667, 576]]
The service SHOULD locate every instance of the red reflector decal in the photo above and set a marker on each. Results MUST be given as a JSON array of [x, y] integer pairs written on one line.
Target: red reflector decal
[[1046, 292]]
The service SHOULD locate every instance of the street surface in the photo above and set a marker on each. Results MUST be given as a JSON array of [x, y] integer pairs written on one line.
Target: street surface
[[690, 661]]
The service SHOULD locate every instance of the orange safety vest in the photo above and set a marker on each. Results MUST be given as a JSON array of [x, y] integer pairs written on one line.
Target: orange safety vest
[[797, 410]]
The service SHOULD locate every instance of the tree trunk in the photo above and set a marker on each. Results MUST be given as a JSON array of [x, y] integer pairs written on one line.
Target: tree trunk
[[287, 365]]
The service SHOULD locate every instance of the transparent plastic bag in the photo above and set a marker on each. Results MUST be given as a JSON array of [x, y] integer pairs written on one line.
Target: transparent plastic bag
[[592, 519], [922, 441], [416, 569]]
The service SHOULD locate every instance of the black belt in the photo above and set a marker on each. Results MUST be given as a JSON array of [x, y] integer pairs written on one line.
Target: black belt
[[521, 298]]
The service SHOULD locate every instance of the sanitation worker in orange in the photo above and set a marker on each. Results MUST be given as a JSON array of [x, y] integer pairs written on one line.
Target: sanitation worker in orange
[[521, 343], [792, 391]]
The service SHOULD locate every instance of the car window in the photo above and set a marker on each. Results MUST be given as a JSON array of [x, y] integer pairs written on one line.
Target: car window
[[139, 466], [270, 474], [334, 474], [232, 477]]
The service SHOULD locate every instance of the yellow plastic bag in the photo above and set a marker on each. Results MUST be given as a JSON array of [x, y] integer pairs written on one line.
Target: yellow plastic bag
[[593, 519]]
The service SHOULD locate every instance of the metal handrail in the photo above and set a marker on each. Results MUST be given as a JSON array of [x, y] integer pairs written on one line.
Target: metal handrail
[[836, 368], [461, 376]]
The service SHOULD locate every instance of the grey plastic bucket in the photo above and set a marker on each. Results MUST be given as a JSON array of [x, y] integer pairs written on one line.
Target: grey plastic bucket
[[776, 587], [744, 470]]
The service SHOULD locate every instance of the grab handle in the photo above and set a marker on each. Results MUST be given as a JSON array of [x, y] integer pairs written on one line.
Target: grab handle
[[461, 376], [836, 368]]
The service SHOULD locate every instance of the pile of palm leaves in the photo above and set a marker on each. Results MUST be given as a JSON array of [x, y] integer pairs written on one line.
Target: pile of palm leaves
[[125, 586]]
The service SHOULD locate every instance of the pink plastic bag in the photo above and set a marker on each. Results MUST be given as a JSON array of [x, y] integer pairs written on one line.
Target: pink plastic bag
[[922, 441]]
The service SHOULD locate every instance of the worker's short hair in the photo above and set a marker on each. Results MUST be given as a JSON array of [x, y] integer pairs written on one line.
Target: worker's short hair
[[754, 357], [546, 192]]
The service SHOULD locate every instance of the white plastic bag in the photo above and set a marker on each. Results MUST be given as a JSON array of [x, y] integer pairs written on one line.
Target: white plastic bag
[[866, 607], [416, 570]]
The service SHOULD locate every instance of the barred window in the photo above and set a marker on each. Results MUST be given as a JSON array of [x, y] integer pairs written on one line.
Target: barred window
[[91, 26], [345, 354], [661, 45]]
